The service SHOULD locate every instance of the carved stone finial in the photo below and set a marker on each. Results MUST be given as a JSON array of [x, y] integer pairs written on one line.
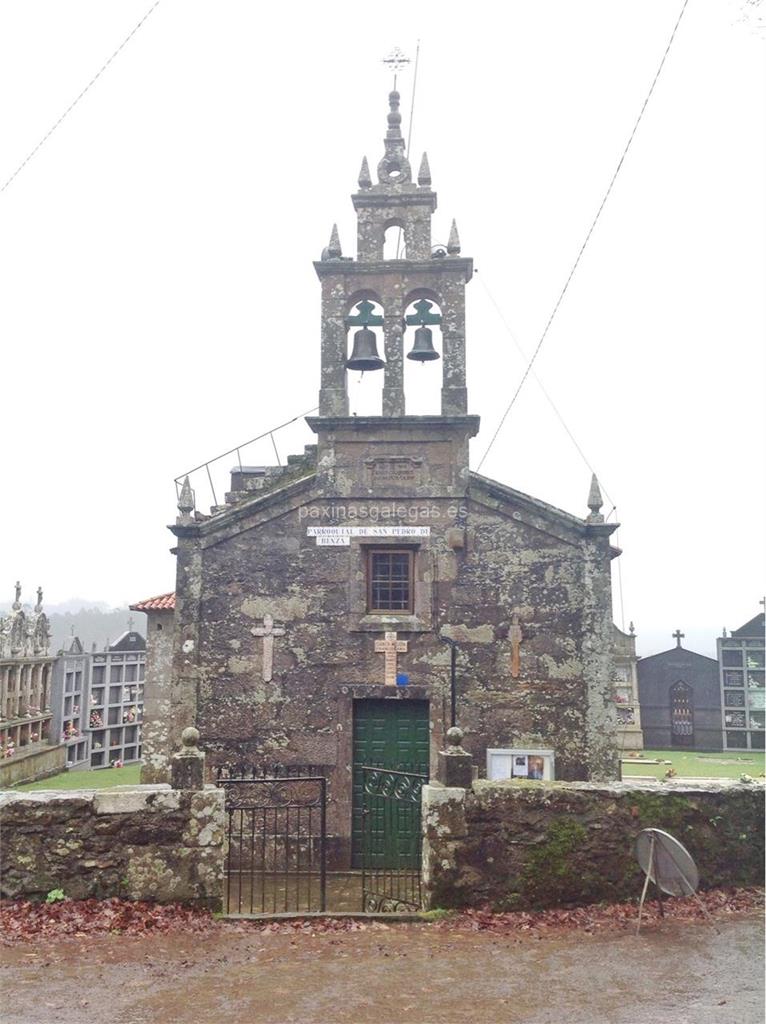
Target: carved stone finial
[[595, 501], [424, 174], [334, 251], [394, 168], [365, 181], [17, 601], [453, 243], [454, 764], [632, 629], [725, 634], [187, 767], [454, 740], [186, 501], [190, 736], [39, 605]]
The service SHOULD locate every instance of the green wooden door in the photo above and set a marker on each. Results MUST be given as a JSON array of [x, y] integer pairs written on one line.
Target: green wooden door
[[390, 734]]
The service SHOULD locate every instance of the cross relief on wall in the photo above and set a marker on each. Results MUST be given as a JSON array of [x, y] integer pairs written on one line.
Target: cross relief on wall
[[268, 632], [389, 648], [516, 635]]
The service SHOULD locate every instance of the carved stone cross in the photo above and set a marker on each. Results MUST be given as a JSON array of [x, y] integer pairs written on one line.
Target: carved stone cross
[[516, 636], [268, 631], [390, 647], [678, 636]]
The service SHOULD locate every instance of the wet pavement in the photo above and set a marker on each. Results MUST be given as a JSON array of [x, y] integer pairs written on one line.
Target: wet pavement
[[673, 973], [273, 893]]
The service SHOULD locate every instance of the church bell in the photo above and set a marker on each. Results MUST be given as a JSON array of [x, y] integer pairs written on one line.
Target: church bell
[[364, 355], [423, 350]]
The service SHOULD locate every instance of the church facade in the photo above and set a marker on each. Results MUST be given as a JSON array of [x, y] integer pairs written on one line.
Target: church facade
[[317, 611]]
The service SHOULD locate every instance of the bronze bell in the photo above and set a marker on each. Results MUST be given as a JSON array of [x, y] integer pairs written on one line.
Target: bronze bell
[[364, 355], [423, 349]]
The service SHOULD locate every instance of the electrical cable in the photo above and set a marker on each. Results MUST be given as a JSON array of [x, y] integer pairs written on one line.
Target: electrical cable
[[570, 435], [587, 239], [409, 130], [74, 102]]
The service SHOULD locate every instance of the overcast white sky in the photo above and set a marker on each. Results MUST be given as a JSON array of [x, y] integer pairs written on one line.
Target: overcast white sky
[[159, 305]]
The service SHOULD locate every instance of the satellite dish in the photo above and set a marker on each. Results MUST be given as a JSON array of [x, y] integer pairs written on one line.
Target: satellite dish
[[666, 862]]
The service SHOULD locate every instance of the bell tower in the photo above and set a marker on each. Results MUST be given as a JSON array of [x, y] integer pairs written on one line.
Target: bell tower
[[376, 291]]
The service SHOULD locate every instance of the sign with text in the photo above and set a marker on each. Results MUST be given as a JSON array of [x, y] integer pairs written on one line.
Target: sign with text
[[340, 536]]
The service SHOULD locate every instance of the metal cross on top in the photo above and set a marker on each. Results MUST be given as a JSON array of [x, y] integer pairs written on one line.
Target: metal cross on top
[[423, 315], [390, 647], [396, 61], [678, 636], [268, 631], [365, 317]]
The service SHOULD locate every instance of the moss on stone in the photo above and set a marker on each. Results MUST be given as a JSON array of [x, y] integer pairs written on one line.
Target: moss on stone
[[554, 871], [661, 810]]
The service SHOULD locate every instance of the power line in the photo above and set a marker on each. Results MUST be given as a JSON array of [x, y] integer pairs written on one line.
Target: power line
[[542, 387], [409, 130], [414, 90], [74, 102], [571, 437], [587, 237]]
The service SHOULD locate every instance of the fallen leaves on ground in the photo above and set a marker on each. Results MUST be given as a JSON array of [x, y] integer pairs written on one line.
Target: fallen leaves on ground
[[24, 921], [600, 917]]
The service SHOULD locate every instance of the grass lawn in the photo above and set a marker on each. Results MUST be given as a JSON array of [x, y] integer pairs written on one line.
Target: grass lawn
[[102, 778], [726, 764], [729, 764]]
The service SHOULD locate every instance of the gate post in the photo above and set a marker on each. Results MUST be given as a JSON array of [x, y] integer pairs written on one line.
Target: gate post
[[187, 767], [455, 765], [444, 822]]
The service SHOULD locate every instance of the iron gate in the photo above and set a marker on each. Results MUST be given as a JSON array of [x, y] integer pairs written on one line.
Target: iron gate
[[276, 844], [392, 841]]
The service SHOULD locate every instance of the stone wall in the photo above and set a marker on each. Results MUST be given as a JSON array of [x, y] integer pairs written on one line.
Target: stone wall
[[516, 845], [140, 843], [157, 699], [38, 763]]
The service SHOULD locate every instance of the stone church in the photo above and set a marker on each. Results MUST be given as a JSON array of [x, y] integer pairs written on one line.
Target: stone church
[[317, 610]]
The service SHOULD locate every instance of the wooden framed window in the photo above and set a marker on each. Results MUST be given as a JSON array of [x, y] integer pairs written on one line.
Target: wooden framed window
[[390, 581]]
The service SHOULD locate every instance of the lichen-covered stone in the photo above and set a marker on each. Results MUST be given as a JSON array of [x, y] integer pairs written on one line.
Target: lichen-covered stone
[[491, 565], [517, 845], [149, 843]]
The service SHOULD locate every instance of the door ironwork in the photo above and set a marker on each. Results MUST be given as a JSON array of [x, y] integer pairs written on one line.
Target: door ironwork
[[276, 844], [391, 839]]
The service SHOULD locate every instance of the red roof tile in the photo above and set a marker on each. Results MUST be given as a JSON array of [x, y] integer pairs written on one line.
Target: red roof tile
[[162, 603]]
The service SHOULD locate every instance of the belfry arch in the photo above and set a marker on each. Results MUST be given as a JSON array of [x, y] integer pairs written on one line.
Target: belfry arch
[[394, 204]]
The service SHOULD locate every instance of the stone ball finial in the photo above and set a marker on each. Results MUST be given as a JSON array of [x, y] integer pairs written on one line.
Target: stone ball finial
[[190, 736], [455, 736]]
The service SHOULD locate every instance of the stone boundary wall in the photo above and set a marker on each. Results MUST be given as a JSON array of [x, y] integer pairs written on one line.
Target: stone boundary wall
[[37, 764], [139, 843], [521, 845]]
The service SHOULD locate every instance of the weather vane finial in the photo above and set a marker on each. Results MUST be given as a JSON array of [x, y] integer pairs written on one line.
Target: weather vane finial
[[396, 61]]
